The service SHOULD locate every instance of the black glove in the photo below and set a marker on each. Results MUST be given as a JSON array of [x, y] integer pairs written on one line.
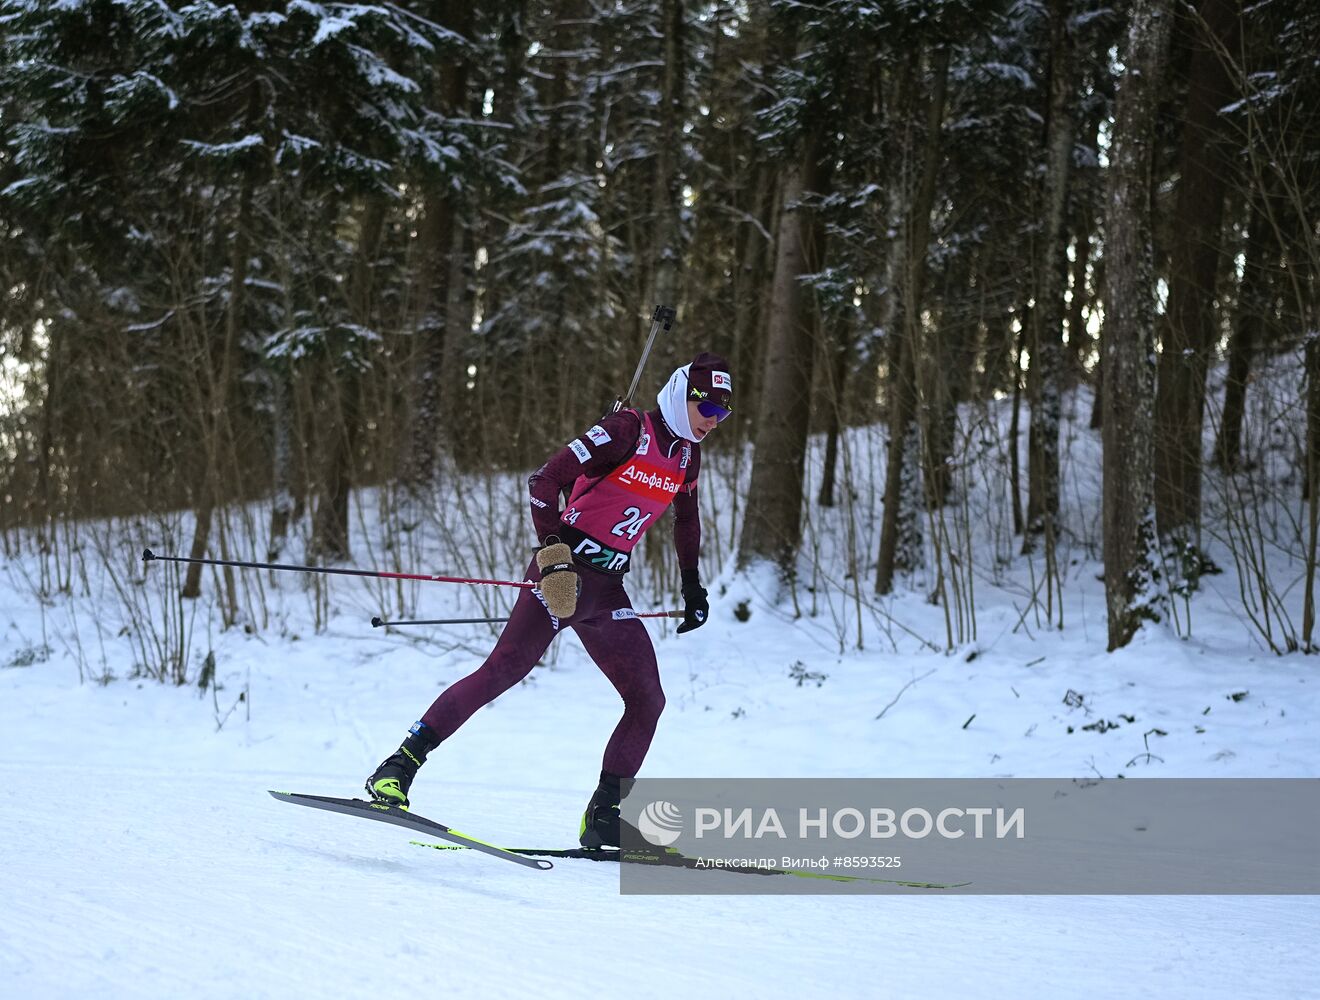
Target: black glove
[[696, 609]]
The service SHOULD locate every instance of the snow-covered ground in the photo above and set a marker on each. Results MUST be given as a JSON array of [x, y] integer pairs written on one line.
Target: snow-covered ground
[[141, 856]]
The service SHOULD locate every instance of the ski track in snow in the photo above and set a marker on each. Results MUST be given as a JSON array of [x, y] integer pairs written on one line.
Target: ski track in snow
[[167, 870]]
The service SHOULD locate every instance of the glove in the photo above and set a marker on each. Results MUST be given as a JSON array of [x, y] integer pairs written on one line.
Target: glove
[[560, 585], [696, 609]]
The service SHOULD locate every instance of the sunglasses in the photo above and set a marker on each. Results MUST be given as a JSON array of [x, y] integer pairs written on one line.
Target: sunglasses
[[713, 410]]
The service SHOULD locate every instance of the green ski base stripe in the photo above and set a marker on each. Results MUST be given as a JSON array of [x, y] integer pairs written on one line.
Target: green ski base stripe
[[468, 836], [675, 860]]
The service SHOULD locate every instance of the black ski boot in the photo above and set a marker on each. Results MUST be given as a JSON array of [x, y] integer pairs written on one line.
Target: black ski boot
[[390, 782], [600, 823]]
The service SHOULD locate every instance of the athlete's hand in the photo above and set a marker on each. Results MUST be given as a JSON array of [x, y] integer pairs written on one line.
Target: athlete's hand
[[696, 609], [560, 585]]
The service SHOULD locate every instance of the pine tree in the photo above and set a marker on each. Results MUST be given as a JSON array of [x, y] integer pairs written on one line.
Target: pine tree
[[1047, 315], [1134, 588], [1191, 327], [809, 72]]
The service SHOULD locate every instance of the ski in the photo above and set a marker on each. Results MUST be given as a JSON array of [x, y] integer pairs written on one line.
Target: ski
[[676, 860], [383, 813]]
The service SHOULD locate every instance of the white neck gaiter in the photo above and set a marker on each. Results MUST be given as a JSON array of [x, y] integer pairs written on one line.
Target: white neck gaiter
[[673, 404]]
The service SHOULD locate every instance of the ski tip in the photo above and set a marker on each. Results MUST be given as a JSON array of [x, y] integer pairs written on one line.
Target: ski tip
[[540, 863]]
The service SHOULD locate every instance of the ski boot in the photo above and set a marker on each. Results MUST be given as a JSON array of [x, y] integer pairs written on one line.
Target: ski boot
[[390, 782], [600, 822]]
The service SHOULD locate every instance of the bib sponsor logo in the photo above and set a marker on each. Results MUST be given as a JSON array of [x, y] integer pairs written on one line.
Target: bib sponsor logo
[[599, 435], [644, 444], [600, 555], [579, 449], [652, 482], [623, 614], [721, 380]]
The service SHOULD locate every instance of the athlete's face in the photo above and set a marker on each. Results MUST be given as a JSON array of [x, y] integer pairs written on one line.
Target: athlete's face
[[701, 426]]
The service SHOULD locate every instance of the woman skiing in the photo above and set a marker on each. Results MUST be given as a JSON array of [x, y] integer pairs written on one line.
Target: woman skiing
[[625, 471]]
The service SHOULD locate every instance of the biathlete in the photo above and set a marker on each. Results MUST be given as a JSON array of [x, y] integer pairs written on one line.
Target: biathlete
[[625, 472]]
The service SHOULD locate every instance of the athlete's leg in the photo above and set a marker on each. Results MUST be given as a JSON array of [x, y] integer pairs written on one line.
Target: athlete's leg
[[529, 631], [623, 651], [524, 640]]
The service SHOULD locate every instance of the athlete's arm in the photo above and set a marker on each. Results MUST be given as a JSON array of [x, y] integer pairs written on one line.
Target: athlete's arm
[[687, 518], [597, 451], [687, 541]]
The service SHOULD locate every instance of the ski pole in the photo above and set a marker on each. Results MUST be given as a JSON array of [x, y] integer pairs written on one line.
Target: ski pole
[[149, 556], [376, 622], [664, 316]]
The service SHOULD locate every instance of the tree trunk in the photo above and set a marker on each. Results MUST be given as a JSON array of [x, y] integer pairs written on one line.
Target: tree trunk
[[751, 293], [461, 417], [772, 526], [666, 249], [282, 432], [1252, 304], [1133, 587], [1082, 187], [1097, 404], [954, 362], [837, 372], [1079, 340], [212, 494], [435, 239], [900, 537], [1312, 484], [192, 580], [1190, 331], [1014, 432], [330, 532], [1047, 330], [433, 322]]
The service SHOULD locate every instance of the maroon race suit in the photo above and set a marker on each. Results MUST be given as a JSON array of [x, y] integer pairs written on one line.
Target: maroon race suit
[[606, 515], [605, 497]]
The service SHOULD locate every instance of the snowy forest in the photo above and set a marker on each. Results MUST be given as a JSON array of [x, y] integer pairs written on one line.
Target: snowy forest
[[1020, 301], [265, 261]]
